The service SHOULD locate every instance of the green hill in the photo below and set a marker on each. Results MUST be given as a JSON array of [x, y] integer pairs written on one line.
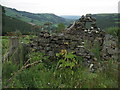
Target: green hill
[[103, 20], [38, 19], [107, 20], [72, 17], [24, 19], [11, 25]]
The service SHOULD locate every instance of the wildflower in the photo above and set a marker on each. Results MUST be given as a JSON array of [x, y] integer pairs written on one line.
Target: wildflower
[[63, 51], [48, 83], [66, 43]]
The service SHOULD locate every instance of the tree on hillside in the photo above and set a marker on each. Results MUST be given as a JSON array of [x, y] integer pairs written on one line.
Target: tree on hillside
[[60, 27]]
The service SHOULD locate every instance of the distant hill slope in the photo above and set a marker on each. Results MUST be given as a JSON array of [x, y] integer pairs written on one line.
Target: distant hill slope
[[103, 20], [107, 20], [11, 24], [72, 17], [38, 19]]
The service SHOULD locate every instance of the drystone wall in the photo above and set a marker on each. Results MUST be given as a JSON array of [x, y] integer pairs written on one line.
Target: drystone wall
[[110, 48], [77, 38]]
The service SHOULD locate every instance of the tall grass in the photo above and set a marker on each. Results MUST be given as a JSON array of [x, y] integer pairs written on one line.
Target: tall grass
[[40, 76], [43, 76]]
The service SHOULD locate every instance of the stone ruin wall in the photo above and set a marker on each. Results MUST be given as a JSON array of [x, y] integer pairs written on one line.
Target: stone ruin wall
[[110, 48], [74, 38]]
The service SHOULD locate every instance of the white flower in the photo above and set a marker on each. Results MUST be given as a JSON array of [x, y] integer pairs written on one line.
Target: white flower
[[60, 75], [48, 83]]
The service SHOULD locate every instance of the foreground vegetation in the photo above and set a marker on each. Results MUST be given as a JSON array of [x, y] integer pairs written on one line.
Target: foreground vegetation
[[67, 75], [66, 71]]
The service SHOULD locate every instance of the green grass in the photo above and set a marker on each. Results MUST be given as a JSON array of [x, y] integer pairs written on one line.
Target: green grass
[[47, 78], [40, 76], [5, 44], [67, 71]]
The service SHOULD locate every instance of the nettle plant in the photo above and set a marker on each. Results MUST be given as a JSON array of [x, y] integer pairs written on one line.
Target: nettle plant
[[66, 60]]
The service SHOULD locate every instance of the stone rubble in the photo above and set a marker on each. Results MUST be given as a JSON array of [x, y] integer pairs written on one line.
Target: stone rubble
[[74, 38], [110, 48]]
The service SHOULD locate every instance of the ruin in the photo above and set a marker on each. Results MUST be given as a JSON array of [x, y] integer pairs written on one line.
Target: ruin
[[79, 39]]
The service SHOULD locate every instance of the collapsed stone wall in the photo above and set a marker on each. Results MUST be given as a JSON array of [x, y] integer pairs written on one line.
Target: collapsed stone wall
[[110, 48], [74, 39]]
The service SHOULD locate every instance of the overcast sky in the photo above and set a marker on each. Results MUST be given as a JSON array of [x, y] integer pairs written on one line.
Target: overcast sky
[[64, 7]]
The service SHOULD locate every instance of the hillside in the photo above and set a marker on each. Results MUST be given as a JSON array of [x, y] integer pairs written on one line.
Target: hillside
[[38, 19], [72, 17], [107, 20], [103, 20], [11, 24]]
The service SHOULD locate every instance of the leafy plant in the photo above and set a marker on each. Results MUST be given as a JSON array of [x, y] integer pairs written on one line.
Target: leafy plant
[[66, 59], [35, 56]]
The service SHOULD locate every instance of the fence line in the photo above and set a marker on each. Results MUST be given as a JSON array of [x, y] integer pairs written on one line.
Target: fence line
[[16, 52]]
